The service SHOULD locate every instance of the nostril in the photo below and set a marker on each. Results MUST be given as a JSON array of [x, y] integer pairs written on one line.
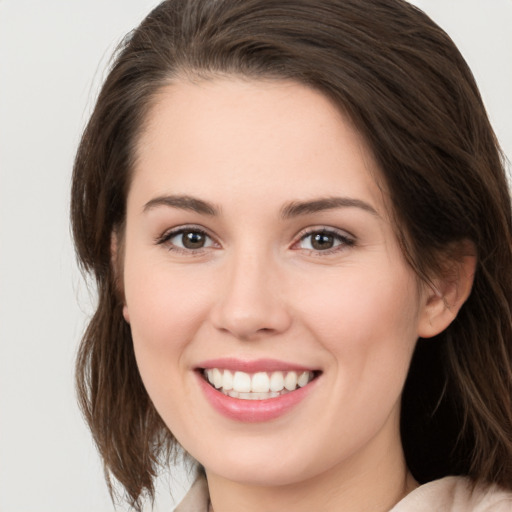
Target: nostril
[[248, 309]]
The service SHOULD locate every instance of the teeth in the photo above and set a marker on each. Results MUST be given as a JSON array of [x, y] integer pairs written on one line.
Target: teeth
[[290, 381], [260, 383], [227, 380], [242, 382], [217, 378], [277, 381], [257, 386], [303, 379]]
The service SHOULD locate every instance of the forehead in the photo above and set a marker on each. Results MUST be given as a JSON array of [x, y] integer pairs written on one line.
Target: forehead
[[234, 137]]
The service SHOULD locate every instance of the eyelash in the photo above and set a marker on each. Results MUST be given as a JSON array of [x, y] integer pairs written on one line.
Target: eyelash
[[169, 235], [344, 240]]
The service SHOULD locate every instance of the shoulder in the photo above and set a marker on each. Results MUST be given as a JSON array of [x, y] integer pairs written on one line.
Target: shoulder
[[456, 494], [197, 499]]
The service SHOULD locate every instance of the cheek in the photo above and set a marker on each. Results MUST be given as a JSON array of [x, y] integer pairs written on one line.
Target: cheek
[[166, 309], [368, 326], [366, 321], [165, 315]]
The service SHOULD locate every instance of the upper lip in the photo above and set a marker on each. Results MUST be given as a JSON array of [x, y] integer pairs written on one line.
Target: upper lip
[[253, 366]]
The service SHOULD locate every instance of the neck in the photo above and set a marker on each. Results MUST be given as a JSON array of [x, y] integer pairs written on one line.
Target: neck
[[354, 486]]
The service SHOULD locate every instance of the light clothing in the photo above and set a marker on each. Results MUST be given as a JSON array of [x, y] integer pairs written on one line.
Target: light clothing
[[450, 494], [455, 494], [197, 499]]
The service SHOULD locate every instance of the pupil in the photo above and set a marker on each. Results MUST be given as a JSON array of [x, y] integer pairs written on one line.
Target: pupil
[[193, 240], [322, 241]]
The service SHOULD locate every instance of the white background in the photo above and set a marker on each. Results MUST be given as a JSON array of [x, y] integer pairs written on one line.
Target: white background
[[52, 57]]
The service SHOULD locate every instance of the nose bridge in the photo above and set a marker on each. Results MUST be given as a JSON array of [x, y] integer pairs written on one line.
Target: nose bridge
[[251, 302]]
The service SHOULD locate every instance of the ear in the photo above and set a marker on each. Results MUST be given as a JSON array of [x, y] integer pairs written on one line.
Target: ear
[[126, 315], [444, 297], [116, 261]]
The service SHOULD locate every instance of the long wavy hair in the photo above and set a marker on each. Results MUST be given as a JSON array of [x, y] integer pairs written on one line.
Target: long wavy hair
[[409, 92]]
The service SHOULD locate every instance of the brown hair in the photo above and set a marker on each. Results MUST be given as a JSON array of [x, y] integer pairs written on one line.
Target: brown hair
[[408, 90]]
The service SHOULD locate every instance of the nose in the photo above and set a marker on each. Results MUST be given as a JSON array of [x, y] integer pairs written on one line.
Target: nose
[[251, 304]]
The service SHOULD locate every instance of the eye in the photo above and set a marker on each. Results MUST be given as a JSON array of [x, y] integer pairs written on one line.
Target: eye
[[186, 239], [324, 240]]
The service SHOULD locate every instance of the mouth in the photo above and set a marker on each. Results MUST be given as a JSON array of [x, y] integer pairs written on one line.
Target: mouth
[[261, 385], [255, 391]]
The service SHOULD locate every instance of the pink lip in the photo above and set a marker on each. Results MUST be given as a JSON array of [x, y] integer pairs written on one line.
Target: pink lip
[[258, 365], [252, 411]]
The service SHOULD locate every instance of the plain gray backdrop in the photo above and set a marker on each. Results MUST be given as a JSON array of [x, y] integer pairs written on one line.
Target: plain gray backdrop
[[52, 58]]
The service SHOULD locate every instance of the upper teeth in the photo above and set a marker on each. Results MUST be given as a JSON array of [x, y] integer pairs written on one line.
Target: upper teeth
[[261, 382]]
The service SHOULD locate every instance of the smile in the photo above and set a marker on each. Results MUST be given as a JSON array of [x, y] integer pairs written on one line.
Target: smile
[[256, 386], [255, 391]]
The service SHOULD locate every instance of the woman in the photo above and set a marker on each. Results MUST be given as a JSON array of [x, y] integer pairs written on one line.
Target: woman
[[298, 220]]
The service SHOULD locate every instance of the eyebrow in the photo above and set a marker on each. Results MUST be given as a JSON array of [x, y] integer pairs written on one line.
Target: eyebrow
[[290, 210], [297, 208], [183, 203]]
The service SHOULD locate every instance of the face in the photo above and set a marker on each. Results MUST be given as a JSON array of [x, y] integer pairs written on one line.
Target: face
[[259, 255]]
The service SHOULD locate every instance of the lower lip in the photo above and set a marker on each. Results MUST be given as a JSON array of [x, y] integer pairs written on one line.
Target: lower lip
[[253, 411]]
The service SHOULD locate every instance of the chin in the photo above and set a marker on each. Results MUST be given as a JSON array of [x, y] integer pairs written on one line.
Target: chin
[[260, 464], [255, 473]]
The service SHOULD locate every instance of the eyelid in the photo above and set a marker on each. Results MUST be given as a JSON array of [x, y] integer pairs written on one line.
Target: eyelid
[[320, 228], [170, 233], [347, 238]]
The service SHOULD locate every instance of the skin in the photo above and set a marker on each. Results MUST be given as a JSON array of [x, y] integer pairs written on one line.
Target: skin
[[257, 289]]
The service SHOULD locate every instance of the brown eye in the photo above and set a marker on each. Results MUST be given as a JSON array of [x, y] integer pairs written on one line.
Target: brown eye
[[325, 240], [322, 241], [193, 239], [186, 239]]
